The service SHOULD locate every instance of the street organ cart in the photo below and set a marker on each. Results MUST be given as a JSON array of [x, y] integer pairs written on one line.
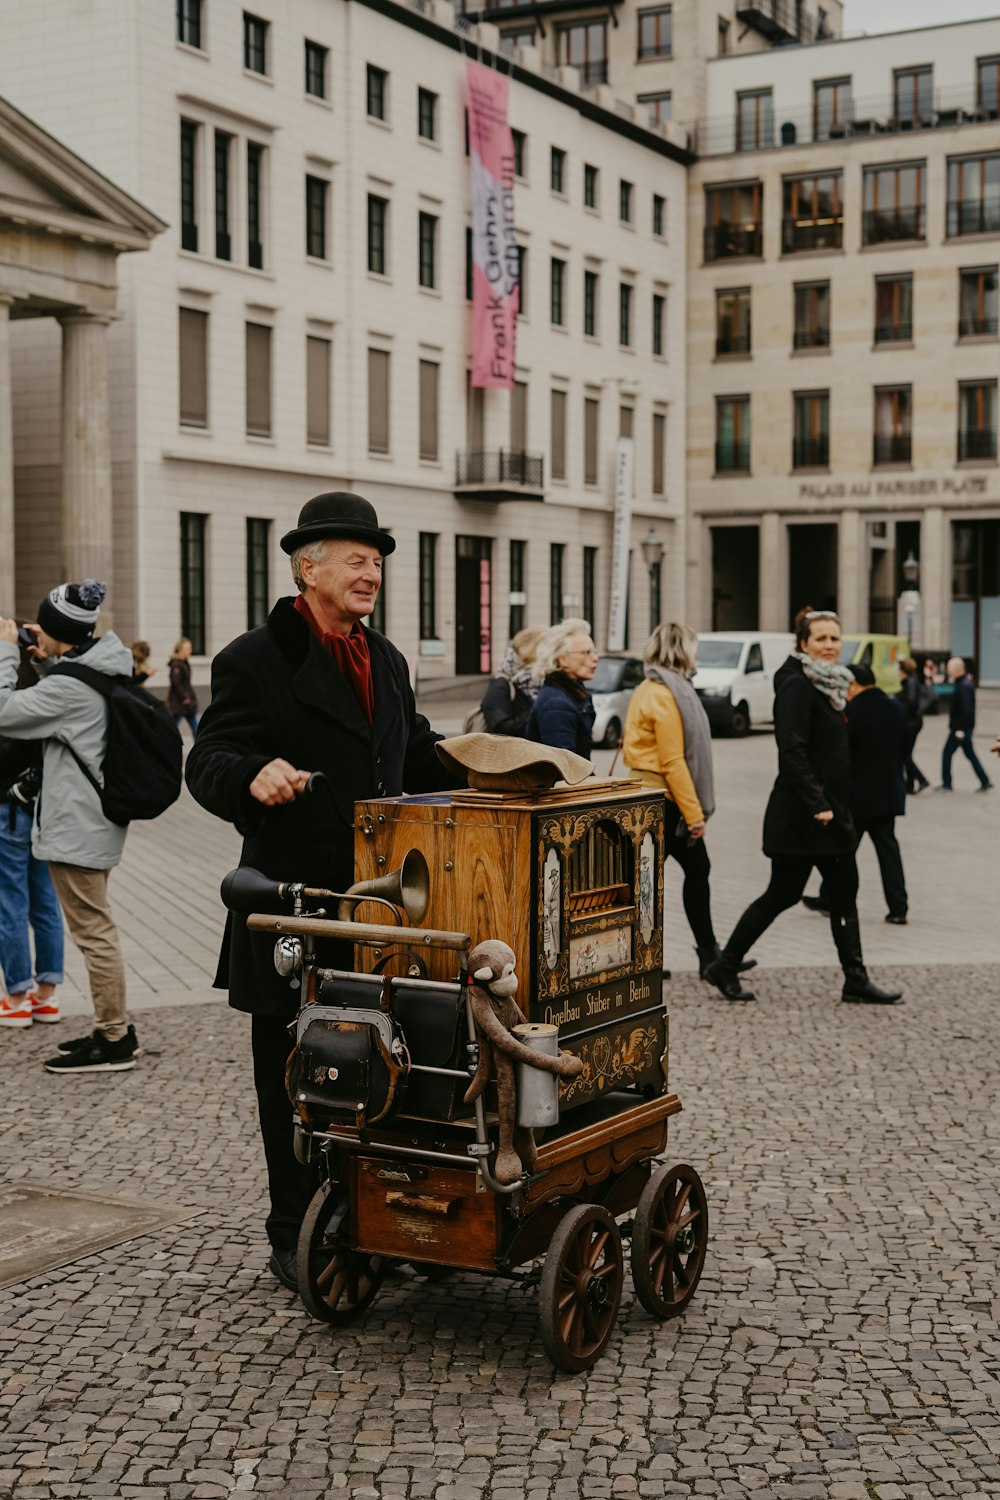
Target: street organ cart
[[571, 878]]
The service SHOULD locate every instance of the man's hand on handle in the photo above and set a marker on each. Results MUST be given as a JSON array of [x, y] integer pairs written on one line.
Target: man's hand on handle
[[278, 782], [824, 817]]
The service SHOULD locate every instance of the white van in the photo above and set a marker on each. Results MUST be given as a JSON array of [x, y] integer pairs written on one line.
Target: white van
[[735, 676]]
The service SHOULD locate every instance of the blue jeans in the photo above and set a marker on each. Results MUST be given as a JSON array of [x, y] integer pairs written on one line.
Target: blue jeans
[[953, 743], [192, 719], [26, 896]]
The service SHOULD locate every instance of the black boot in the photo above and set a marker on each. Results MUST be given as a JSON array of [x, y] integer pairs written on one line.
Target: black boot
[[708, 956], [724, 973], [858, 988]]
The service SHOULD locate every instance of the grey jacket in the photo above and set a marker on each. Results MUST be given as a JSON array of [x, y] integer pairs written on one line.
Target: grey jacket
[[70, 827]]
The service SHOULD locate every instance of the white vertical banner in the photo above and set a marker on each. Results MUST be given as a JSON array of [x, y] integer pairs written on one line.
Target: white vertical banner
[[620, 542]]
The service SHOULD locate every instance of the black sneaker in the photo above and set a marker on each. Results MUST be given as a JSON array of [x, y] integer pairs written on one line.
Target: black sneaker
[[95, 1055], [79, 1041]]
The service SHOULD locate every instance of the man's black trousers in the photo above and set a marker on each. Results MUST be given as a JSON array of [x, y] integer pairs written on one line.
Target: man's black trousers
[[882, 832], [290, 1183]]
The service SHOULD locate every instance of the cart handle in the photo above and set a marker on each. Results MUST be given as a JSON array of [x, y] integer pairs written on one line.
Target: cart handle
[[358, 932]]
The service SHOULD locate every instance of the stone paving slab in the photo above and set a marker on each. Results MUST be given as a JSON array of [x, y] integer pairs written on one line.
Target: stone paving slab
[[842, 1344]]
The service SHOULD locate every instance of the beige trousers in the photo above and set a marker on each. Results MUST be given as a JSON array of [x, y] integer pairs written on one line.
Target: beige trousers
[[83, 896]]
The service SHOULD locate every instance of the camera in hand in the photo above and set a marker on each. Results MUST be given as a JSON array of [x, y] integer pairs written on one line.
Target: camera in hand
[[25, 637], [26, 788]]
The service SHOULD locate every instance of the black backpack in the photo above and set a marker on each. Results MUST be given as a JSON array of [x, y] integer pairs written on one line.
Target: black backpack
[[142, 763]]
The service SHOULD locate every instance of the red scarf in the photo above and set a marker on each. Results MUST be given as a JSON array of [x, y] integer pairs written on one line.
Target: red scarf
[[350, 652]]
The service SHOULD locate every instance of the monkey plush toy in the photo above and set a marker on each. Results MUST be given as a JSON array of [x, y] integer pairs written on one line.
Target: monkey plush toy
[[496, 1012]]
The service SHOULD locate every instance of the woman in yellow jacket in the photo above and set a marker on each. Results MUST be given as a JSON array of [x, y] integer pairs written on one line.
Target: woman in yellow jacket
[[668, 744]]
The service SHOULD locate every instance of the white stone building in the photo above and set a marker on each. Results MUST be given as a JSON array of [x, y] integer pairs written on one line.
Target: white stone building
[[302, 325], [843, 351]]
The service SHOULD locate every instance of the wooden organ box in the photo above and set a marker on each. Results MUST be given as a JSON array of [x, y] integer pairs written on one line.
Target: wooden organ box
[[572, 879]]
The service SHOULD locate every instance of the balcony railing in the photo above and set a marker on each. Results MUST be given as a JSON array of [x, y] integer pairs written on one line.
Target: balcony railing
[[893, 333], [879, 226], [976, 442], [732, 458], [592, 73], [970, 328], [732, 343], [723, 241], [811, 234], [892, 448], [811, 338], [949, 107], [811, 452], [500, 466], [973, 216]]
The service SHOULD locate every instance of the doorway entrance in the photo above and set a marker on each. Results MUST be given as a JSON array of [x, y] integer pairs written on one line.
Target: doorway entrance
[[735, 578], [975, 596], [473, 605], [812, 567]]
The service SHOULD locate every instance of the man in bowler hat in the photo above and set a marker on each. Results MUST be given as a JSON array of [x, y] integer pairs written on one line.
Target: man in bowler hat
[[314, 689]]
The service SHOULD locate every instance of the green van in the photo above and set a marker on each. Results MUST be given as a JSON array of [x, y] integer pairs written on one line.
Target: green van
[[883, 653]]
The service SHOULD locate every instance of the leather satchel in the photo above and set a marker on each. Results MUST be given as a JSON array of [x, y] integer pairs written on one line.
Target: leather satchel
[[348, 1067]]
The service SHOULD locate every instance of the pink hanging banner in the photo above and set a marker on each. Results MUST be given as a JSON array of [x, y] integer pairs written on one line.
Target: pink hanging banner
[[495, 289]]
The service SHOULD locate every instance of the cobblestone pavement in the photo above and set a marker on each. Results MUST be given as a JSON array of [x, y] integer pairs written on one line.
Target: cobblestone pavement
[[842, 1344]]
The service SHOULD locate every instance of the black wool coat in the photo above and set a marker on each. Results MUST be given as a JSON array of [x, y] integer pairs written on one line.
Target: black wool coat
[[813, 771], [562, 716], [277, 693], [878, 735]]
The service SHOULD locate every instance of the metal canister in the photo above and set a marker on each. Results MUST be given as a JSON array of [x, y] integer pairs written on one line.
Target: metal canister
[[537, 1091]]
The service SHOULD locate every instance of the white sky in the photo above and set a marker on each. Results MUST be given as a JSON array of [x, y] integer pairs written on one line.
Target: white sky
[[901, 15]]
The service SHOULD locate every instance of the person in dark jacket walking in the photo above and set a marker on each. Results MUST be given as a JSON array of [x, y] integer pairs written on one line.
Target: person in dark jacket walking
[[961, 723], [877, 738], [181, 699], [808, 819], [563, 713], [913, 699], [508, 699], [311, 690]]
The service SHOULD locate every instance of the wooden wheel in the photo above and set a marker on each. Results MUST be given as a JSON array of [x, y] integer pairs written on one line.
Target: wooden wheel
[[669, 1239], [581, 1287], [336, 1283]]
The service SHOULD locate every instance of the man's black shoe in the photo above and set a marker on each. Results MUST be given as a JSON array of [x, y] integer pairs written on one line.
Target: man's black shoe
[[95, 1054], [900, 921], [282, 1265], [726, 979], [816, 903], [986, 787], [79, 1041]]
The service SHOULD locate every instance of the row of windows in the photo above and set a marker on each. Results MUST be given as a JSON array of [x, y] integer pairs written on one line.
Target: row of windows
[[893, 324], [894, 207], [191, 30], [914, 104], [194, 412], [584, 44], [891, 429], [194, 575]]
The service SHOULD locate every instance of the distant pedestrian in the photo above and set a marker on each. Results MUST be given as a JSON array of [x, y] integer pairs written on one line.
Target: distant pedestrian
[[915, 697], [142, 671], [667, 744], [961, 723], [510, 695], [563, 713], [877, 737], [181, 700], [808, 819], [28, 902], [70, 829]]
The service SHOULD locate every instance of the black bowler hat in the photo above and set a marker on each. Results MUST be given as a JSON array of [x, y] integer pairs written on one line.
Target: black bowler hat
[[338, 515]]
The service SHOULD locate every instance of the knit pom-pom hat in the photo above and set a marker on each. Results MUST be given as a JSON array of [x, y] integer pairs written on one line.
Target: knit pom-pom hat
[[69, 613]]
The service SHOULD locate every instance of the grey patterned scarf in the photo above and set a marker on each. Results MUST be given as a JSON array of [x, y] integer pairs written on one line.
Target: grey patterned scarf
[[829, 677], [697, 734]]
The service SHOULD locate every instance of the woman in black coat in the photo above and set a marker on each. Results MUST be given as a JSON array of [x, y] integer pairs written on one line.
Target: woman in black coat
[[563, 714], [808, 819]]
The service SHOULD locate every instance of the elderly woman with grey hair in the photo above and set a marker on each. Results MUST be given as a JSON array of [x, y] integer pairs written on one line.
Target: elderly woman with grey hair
[[668, 745], [563, 714]]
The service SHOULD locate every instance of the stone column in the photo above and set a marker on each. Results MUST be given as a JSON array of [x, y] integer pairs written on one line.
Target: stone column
[[935, 578], [7, 580], [773, 610], [86, 449], [852, 572]]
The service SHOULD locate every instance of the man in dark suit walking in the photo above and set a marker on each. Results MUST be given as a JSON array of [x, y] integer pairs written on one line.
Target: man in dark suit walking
[[311, 690], [878, 739], [961, 723]]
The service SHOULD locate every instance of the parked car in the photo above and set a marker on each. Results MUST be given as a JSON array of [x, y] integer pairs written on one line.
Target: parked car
[[882, 653], [611, 687], [735, 676]]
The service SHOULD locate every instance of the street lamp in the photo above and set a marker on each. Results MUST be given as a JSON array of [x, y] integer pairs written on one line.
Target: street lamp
[[911, 570], [652, 554], [909, 619]]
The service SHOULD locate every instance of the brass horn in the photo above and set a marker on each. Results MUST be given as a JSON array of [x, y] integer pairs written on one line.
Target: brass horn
[[408, 887]]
